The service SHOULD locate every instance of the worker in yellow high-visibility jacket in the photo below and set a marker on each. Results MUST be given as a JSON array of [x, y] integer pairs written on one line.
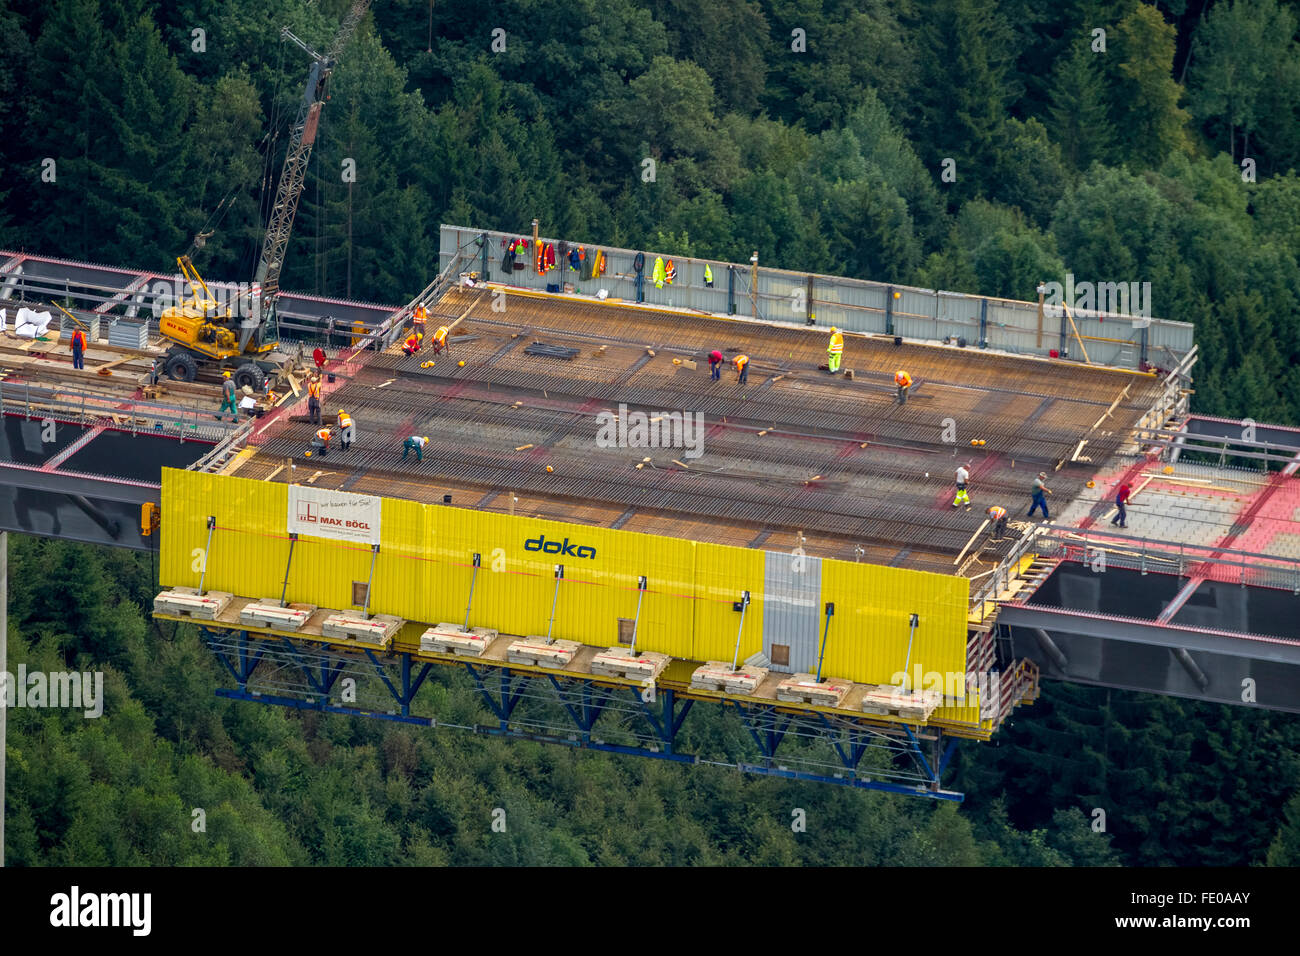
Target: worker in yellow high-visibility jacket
[[835, 351]]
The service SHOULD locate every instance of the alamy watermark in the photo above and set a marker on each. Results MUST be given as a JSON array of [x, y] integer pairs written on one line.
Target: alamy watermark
[[62, 689], [1112, 298], [638, 429]]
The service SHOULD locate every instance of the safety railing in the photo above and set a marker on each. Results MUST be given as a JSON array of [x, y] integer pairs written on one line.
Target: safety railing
[[135, 416]]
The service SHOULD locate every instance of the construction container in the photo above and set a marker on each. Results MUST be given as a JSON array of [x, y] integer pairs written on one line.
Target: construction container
[[89, 324], [128, 333]]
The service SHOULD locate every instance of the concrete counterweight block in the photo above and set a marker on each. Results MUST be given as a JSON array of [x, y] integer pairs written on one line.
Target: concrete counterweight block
[[534, 650], [805, 689], [718, 675], [268, 613], [378, 629], [186, 602], [621, 662], [451, 639]]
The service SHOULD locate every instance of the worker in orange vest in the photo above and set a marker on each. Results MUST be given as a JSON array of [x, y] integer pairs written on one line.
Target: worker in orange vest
[[78, 349], [742, 368], [419, 317], [412, 343], [998, 516], [313, 400], [904, 382], [320, 443], [835, 351], [440, 339]]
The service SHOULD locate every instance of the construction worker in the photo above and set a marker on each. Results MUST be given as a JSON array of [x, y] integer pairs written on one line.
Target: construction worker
[[999, 518], [313, 400], [347, 431], [1121, 500], [320, 442], [417, 442], [904, 382], [419, 317], [1039, 492], [78, 348], [835, 351], [318, 356], [228, 398], [412, 343], [715, 364], [440, 339], [963, 476], [742, 368]]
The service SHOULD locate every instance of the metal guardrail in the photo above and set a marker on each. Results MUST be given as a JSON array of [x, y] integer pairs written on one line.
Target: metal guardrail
[[1147, 554], [86, 408]]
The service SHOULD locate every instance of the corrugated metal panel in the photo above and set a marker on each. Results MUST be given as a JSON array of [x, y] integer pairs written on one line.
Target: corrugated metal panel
[[869, 635], [791, 612], [722, 573], [425, 563]]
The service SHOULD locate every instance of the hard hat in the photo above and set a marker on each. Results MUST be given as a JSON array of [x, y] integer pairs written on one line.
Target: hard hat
[[226, 374], [342, 412], [834, 329], [1042, 474], [426, 437]]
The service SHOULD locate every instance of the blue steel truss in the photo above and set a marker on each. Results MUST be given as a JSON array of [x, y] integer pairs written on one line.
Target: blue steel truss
[[582, 712]]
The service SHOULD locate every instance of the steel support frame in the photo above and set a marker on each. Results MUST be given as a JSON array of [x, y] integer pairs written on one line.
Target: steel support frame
[[584, 702]]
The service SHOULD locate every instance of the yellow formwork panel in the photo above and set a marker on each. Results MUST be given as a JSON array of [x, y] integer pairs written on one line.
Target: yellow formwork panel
[[424, 568], [722, 574], [869, 634]]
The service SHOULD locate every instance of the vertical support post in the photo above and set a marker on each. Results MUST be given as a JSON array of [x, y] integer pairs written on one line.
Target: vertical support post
[[636, 624], [1144, 340], [912, 621], [559, 576], [812, 313], [744, 603], [984, 323], [207, 552], [293, 540], [370, 581], [1144, 556], [478, 560], [483, 270], [731, 290], [4, 676], [753, 284], [889, 310], [830, 613]]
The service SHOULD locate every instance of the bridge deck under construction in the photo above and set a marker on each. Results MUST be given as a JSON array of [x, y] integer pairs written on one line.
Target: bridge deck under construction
[[794, 456]]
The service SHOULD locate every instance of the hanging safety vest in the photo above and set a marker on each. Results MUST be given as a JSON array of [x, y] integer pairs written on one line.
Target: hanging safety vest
[[670, 272], [599, 268], [659, 272], [708, 276]]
